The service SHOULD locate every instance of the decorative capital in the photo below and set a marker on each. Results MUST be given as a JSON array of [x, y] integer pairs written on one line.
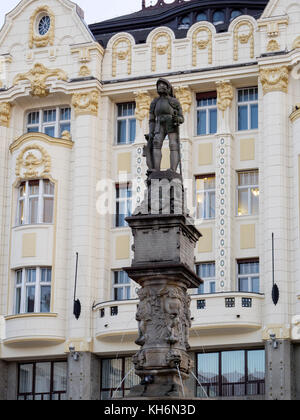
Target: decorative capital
[[86, 103], [33, 162], [5, 112], [184, 95], [225, 94], [143, 102], [38, 77], [275, 79]]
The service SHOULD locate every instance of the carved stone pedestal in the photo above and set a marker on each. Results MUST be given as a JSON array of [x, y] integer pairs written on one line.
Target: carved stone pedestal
[[163, 266]]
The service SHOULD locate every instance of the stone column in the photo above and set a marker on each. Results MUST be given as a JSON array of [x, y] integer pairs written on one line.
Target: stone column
[[83, 377], [225, 191], [274, 210]]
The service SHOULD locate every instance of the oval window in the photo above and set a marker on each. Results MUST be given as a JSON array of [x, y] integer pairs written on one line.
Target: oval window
[[44, 25]]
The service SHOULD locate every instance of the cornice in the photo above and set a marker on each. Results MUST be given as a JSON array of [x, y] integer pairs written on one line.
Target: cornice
[[33, 137]]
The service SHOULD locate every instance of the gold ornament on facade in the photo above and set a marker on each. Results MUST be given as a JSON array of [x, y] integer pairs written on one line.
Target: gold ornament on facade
[[225, 94], [161, 45], [86, 103], [273, 46], [5, 112], [275, 79], [121, 55], [296, 43], [38, 77], [185, 97], [84, 71], [243, 38], [143, 102], [296, 113], [202, 44], [35, 39], [33, 162]]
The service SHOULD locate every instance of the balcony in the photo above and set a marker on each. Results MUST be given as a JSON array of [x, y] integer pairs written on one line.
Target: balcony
[[33, 329], [231, 312]]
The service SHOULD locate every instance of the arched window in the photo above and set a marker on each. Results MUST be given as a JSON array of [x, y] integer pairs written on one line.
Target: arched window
[[201, 17], [35, 202], [185, 23], [235, 14], [218, 18]]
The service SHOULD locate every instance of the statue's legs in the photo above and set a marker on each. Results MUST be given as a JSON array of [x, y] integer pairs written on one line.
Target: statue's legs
[[157, 148], [174, 151]]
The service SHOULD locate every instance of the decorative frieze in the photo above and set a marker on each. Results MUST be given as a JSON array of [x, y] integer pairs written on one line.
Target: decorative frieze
[[86, 103], [274, 79], [33, 162], [38, 77], [35, 39], [5, 112]]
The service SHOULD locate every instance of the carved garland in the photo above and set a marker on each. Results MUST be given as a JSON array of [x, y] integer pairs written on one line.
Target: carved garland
[[202, 44], [36, 40], [32, 161], [275, 79], [121, 55], [38, 77], [161, 49], [243, 39]]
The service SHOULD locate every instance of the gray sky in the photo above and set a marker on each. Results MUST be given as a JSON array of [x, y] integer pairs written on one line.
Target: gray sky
[[95, 10]]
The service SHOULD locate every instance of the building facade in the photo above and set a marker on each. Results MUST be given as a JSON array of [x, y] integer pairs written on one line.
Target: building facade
[[74, 104]]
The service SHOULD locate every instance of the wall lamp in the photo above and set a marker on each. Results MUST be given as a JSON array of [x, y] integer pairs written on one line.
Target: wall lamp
[[274, 341], [74, 354]]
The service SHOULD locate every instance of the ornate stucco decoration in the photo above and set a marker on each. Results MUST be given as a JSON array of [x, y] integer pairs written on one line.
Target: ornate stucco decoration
[[84, 71], [243, 34], [38, 77], [35, 39], [202, 44], [225, 94], [185, 97], [161, 45], [121, 51], [86, 103], [273, 46], [32, 162], [5, 112], [275, 79], [296, 43], [296, 113], [143, 102]]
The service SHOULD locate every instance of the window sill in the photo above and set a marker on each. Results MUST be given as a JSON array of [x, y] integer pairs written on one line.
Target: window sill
[[33, 226]]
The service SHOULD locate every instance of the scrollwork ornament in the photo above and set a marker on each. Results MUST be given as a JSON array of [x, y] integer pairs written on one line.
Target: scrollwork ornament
[[85, 103], [275, 79]]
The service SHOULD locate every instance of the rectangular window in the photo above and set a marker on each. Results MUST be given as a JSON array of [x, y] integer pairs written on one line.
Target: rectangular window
[[126, 123], [248, 109], [207, 113], [42, 381], [32, 290], [248, 193], [121, 286], [123, 204], [113, 372], [231, 373], [248, 276], [52, 122], [207, 272], [35, 202], [206, 197]]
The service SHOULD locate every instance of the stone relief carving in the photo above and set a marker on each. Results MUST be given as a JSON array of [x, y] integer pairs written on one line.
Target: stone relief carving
[[185, 97], [161, 45], [86, 103], [225, 94], [275, 79], [35, 39], [121, 51], [202, 44], [34, 161], [5, 113], [143, 102], [38, 77], [243, 36]]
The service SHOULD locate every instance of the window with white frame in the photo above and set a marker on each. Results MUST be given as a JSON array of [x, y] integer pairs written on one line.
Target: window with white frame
[[248, 276], [248, 109], [207, 113], [52, 122], [126, 123], [35, 202], [33, 290], [207, 272], [123, 204], [248, 193], [206, 196], [123, 287]]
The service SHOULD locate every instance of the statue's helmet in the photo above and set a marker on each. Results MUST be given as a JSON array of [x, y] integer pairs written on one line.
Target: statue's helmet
[[168, 84]]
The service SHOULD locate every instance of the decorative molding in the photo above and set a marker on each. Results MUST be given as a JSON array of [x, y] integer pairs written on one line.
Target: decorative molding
[[185, 97], [84, 52], [86, 103], [5, 113], [243, 39], [33, 162], [273, 46], [202, 44], [84, 71], [273, 26], [296, 43], [275, 79], [35, 39], [162, 48], [143, 102], [38, 77], [121, 55], [295, 114], [225, 94], [19, 142]]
